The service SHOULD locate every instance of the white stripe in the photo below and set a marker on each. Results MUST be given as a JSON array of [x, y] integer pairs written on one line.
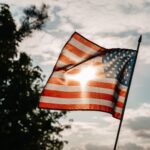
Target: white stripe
[[81, 46], [78, 89], [121, 99], [105, 80], [72, 56], [123, 87], [80, 59], [78, 101], [55, 100], [118, 110], [64, 75], [86, 89], [94, 60], [61, 64]]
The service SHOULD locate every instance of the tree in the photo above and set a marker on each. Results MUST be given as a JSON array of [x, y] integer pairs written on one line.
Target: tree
[[22, 125]]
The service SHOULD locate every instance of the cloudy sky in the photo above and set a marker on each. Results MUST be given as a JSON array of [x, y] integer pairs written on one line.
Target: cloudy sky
[[110, 24]]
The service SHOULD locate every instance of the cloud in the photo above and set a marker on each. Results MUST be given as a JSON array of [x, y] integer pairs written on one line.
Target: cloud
[[131, 146], [86, 134], [97, 147], [128, 146], [43, 45], [91, 134], [143, 134], [136, 128], [108, 23], [135, 7], [139, 123], [90, 146], [134, 113], [76, 148], [146, 37]]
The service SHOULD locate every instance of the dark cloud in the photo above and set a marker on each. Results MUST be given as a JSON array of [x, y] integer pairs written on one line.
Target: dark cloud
[[140, 123], [132, 8], [146, 6], [140, 126], [143, 134], [135, 33], [75, 25], [146, 38], [97, 147], [130, 146], [76, 148], [53, 24], [129, 8], [121, 34]]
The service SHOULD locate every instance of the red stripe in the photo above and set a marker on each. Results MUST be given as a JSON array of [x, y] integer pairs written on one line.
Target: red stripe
[[70, 95], [87, 42], [61, 81], [117, 115], [61, 94], [77, 51], [76, 106], [120, 104], [80, 107], [66, 60], [74, 71], [121, 92]]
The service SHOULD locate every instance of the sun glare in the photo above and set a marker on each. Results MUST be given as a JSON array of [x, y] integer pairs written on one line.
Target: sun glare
[[84, 75]]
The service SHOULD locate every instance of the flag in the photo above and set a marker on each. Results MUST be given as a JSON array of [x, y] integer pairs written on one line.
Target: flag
[[89, 77]]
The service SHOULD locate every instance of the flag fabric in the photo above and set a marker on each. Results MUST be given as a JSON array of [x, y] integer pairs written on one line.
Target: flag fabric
[[89, 77]]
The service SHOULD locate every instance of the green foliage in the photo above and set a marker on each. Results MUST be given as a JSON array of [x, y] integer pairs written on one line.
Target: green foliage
[[22, 125]]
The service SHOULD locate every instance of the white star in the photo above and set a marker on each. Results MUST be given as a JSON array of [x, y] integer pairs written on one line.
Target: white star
[[107, 58]]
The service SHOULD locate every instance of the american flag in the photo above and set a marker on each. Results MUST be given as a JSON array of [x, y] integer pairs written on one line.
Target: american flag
[[89, 77]]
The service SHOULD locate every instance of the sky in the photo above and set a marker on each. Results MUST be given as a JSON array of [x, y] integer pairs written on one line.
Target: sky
[[110, 24]]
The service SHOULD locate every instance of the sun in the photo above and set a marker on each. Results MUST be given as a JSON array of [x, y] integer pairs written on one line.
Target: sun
[[85, 75]]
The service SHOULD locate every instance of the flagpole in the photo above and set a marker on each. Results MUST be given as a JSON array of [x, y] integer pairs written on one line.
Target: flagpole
[[120, 124]]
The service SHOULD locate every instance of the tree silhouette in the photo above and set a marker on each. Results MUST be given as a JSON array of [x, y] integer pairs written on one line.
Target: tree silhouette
[[22, 125]]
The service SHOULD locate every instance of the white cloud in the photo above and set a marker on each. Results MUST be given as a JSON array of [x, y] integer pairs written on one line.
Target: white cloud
[[131, 146], [108, 23], [135, 122], [44, 45], [84, 133], [142, 111]]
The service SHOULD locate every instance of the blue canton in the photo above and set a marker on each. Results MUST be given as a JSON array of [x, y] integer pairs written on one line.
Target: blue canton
[[118, 63]]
